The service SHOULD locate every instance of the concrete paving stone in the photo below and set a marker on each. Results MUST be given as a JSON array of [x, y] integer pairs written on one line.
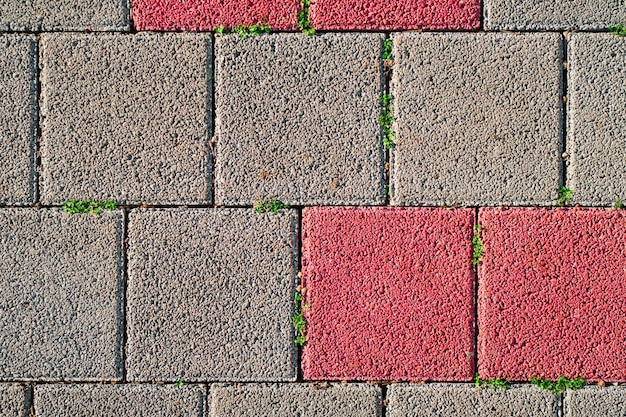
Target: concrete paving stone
[[553, 14], [209, 14], [595, 402], [297, 119], [390, 294], [394, 14], [304, 400], [478, 118], [465, 400], [210, 295], [596, 124], [61, 303], [126, 117], [550, 298], [18, 118], [64, 15], [15, 400], [119, 400]]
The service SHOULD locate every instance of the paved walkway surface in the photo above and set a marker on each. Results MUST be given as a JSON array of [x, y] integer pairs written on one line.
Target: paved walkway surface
[[398, 215]]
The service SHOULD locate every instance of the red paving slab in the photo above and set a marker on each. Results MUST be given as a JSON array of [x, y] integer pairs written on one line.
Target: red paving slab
[[552, 292], [391, 294], [209, 14], [394, 14]]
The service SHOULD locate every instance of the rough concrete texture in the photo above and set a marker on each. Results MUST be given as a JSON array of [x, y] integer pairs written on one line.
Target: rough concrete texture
[[553, 14], [210, 295], [209, 14], [550, 294], [119, 400], [394, 14], [51, 15], [126, 117], [465, 400], [18, 118], [478, 118], [595, 402], [14, 400], [390, 293], [283, 133], [304, 400], [596, 118], [61, 302]]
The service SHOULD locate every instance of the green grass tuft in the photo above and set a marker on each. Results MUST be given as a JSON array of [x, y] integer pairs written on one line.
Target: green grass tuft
[[477, 244], [387, 49], [386, 119], [619, 30], [496, 383], [618, 205], [303, 19], [87, 206], [244, 31], [272, 206], [560, 385], [180, 383], [298, 320], [565, 195]]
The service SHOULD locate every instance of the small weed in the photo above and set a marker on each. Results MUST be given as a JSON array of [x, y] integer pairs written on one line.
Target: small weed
[[477, 244], [618, 205], [298, 320], [386, 119], [272, 206], [388, 190], [244, 31], [565, 195], [387, 47], [180, 383], [619, 30], [496, 383], [303, 19], [87, 206], [560, 385]]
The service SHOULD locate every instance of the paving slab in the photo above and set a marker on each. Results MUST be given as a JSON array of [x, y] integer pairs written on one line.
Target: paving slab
[[18, 118], [478, 118], [465, 400], [126, 117], [119, 400], [15, 400], [595, 402], [390, 294], [301, 399], [210, 14], [61, 303], [283, 132], [553, 14], [596, 169], [210, 295], [394, 14], [550, 297]]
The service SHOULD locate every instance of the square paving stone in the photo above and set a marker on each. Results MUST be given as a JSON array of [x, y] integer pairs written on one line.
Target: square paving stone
[[595, 402], [15, 400]]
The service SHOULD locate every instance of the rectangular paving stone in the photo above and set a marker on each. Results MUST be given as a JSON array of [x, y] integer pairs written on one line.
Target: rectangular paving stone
[[478, 118], [61, 303], [596, 118], [301, 399], [18, 118], [119, 400], [390, 294], [283, 133], [465, 400], [553, 14], [64, 15], [15, 400], [126, 117], [210, 295], [550, 297], [595, 402]]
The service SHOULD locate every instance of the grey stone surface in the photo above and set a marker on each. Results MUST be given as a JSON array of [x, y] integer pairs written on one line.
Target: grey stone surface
[[50, 15], [465, 400], [596, 126], [61, 300], [553, 14], [18, 118], [126, 117], [119, 400], [210, 295], [595, 402], [287, 400], [15, 400], [478, 118], [297, 119]]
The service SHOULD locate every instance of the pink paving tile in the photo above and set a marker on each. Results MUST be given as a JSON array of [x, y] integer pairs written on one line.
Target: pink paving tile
[[552, 294], [390, 293]]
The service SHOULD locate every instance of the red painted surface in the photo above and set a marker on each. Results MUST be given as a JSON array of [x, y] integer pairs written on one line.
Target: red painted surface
[[394, 14], [209, 14], [552, 294], [390, 292]]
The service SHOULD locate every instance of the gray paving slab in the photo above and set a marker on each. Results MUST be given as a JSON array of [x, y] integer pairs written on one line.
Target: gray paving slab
[[18, 118], [15, 400], [210, 295], [126, 117], [478, 118], [119, 400], [61, 302], [596, 126], [465, 400], [553, 14], [304, 400], [595, 402], [52, 15], [297, 119]]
